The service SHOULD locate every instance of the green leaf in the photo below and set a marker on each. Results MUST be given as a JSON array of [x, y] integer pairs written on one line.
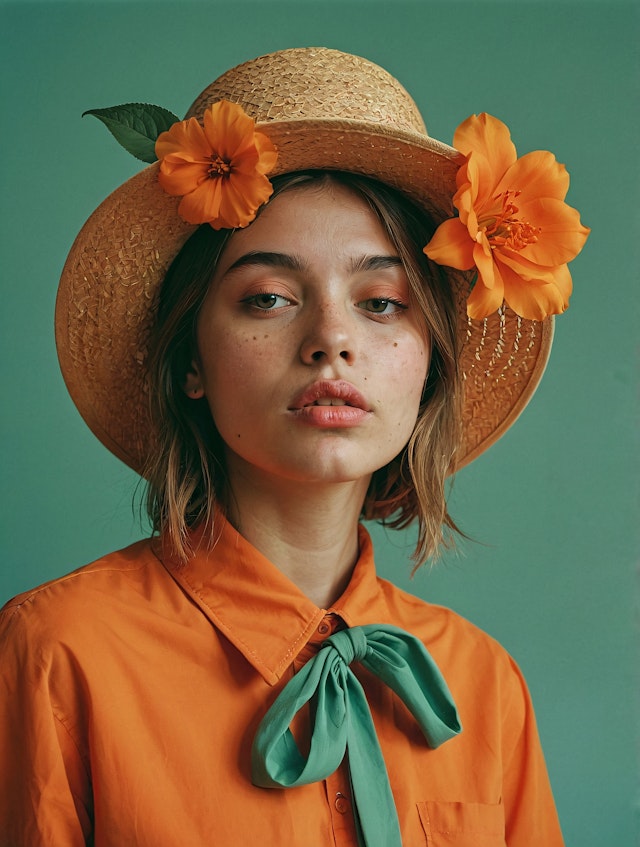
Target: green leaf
[[136, 126]]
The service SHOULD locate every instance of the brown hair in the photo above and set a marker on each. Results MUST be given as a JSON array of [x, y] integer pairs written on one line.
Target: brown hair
[[186, 471]]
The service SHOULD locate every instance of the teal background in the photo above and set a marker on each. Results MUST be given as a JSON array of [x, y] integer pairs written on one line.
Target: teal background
[[553, 506]]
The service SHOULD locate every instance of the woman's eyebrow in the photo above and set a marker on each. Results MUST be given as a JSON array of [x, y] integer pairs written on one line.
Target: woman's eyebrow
[[294, 263], [268, 259], [375, 263]]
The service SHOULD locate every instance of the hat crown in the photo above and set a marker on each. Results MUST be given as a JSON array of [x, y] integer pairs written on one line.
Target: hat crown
[[314, 84]]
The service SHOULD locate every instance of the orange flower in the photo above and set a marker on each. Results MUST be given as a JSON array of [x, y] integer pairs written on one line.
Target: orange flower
[[513, 225], [218, 169]]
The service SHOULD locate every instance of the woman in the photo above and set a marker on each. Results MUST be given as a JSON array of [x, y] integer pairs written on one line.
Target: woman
[[279, 355]]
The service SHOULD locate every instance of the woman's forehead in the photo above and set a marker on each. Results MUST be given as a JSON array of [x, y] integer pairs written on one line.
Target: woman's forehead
[[318, 218]]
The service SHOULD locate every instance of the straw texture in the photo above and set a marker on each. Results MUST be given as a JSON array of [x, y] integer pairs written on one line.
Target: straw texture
[[322, 109]]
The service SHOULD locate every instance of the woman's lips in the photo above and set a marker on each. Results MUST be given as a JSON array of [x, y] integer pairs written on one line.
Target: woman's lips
[[330, 404]]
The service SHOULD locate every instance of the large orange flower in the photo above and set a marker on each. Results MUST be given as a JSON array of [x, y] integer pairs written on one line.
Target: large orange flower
[[513, 226], [218, 169]]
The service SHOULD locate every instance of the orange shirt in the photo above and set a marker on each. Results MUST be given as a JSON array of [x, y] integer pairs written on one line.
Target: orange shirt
[[131, 689]]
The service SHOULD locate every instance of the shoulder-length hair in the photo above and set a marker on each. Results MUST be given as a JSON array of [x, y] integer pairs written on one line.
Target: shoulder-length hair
[[186, 471]]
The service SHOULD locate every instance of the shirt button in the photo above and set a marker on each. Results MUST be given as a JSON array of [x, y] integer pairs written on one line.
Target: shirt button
[[324, 628], [341, 803]]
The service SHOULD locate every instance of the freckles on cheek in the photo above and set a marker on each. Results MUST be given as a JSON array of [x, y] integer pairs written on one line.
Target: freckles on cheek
[[239, 353], [405, 356], [412, 358], [414, 371], [243, 365]]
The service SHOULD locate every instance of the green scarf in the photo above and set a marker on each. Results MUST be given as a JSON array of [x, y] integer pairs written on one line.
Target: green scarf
[[343, 722]]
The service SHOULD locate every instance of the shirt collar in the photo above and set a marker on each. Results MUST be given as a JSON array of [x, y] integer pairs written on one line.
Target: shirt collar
[[265, 615]]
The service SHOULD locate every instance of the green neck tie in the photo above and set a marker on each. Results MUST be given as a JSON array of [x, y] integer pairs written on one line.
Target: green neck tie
[[342, 721]]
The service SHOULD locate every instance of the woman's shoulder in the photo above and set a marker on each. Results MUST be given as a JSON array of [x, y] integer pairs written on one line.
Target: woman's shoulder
[[474, 664], [82, 593], [442, 629]]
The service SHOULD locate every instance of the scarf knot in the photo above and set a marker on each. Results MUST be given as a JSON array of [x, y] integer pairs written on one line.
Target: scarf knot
[[350, 644], [342, 721]]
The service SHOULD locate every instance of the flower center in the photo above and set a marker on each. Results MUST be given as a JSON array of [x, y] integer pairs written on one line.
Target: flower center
[[218, 167], [503, 229]]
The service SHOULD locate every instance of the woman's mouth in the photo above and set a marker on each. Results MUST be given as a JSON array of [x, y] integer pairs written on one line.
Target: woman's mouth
[[330, 404], [329, 401]]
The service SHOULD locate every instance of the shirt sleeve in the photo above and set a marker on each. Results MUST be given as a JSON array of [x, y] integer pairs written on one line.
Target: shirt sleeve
[[530, 811], [44, 786]]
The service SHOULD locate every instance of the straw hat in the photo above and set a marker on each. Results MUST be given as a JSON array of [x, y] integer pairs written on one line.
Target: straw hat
[[323, 109]]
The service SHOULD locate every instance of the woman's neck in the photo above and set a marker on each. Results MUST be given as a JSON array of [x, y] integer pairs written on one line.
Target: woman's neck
[[310, 532]]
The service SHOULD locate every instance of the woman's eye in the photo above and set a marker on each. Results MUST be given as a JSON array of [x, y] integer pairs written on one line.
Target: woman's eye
[[382, 305], [266, 301]]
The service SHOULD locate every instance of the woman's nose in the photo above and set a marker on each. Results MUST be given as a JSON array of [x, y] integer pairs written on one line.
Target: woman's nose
[[329, 337]]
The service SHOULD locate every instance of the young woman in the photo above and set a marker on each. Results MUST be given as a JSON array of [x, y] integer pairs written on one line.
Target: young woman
[[279, 354]]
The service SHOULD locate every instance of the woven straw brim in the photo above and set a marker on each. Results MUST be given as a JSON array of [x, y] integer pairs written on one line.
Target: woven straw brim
[[110, 282]]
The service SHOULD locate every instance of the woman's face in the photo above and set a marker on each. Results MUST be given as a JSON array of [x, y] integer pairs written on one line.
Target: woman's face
[[310, 354]]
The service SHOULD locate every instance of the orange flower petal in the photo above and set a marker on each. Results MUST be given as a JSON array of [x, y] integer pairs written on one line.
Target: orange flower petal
[[246, 162], [255, 189], [513, 223], [463, 200], [562, 236], [529, 271], [219, 169], [536, 175], [536, 302], [186, 140], [202, 205], [478, 189], [485, 265], [267, 153], [485, 301], [242, 197], [228, 129], [564, 283], [225, 203], [451, 245], [489, 137], [181, 179]]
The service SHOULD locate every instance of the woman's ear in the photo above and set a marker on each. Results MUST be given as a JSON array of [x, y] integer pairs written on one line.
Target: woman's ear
[[192, 385]]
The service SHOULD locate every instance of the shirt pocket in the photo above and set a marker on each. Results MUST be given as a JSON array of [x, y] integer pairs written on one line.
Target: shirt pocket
[[462, 824]]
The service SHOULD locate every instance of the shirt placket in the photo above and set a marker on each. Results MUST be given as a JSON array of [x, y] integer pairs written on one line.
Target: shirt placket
[[337, 785]]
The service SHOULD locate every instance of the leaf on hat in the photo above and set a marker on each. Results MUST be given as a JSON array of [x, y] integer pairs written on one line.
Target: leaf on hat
[[136, 126]]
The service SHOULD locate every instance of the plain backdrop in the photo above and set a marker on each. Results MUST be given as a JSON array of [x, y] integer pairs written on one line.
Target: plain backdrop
[[552, 508]]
